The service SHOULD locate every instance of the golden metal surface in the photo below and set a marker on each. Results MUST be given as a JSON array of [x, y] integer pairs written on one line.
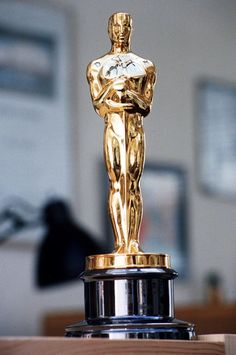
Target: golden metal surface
[[121, 87], [120, 261]]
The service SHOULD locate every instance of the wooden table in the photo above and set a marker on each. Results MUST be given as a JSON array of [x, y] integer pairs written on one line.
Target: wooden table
[[207, 345]]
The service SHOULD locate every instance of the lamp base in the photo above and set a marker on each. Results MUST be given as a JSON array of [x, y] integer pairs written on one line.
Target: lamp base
[[130, 303]]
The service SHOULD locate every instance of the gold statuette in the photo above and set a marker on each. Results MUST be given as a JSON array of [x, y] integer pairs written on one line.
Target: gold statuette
[[121, 86], [128, 293]]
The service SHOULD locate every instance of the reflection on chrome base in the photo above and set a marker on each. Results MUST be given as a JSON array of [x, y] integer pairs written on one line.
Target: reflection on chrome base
[[130, 303]]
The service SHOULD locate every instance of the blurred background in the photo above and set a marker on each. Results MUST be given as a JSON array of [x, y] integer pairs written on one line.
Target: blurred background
[[51, 160]]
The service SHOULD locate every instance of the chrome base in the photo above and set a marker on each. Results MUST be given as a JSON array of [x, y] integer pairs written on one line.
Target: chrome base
[[137, 329], [130, 303]]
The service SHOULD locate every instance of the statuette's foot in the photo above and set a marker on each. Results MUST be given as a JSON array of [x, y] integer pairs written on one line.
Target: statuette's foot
[[120, 249], [132, 248]]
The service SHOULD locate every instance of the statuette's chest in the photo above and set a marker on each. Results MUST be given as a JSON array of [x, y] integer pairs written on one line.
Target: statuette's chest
[[121, 65]]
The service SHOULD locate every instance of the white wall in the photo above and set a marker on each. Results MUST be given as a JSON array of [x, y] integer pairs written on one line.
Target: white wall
[[190, 39]]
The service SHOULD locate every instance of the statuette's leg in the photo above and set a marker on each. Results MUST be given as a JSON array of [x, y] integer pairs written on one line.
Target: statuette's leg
[[124, 149], [135, 162], [115, 153]]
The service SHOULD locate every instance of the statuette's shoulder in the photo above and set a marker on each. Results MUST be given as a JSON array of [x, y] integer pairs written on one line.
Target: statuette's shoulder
[[149, 66], [90, 68], [89, 72], [94, 67]]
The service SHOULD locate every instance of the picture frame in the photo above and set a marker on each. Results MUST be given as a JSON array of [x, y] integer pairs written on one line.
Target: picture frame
[[37, 139], [164, 227], [216, 138], [27, 62]]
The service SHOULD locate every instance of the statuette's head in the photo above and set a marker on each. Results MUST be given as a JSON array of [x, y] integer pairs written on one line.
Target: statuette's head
[[120, 27]]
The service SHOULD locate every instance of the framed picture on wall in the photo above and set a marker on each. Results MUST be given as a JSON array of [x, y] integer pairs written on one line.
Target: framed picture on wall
[[36, 135], [27, 62], [216, 138], [164, 225]]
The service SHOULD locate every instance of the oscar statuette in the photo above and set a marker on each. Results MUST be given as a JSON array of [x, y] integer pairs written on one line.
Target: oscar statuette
[[128, 293]]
